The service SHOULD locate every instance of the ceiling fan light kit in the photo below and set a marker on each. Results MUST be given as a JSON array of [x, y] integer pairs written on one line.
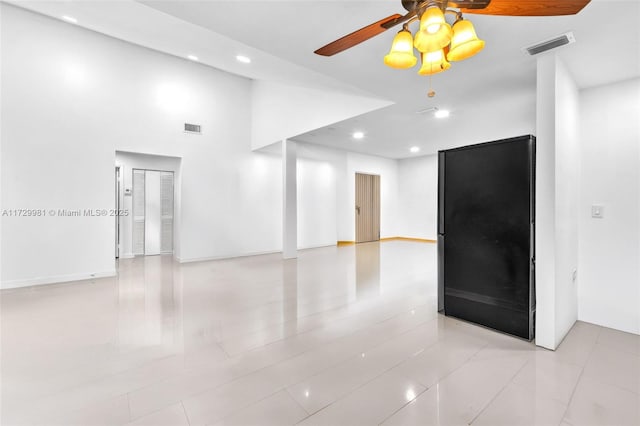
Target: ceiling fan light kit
[[401, 55], [438, 42], [434, 62], [464, 43]]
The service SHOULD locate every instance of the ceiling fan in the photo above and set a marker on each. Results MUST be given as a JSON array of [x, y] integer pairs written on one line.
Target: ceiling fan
[[417, 8], [438, 42]]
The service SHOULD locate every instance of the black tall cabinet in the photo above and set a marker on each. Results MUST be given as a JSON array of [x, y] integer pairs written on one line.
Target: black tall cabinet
[[486, 225]]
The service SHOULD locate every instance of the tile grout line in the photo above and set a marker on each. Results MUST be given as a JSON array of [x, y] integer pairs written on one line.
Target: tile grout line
[[185, 412], [286, 386], [250, 372], [510, 381], [622, 351], [432, 385], [582, 368], [285, 359], [110, 395], [129, 407], [299, 405], [429, 387], [341, 317], [371, 348], [426, 388], [403, 406]]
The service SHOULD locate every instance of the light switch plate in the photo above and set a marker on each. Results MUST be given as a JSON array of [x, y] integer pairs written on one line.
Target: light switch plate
[[597, 211]]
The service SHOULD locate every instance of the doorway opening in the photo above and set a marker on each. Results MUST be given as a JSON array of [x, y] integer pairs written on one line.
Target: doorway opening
[[148, 200], [367, 207]]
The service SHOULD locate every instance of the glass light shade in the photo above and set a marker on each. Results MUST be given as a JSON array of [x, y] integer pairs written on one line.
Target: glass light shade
[[435, 33], [425, 42], [465, 42], [431, 20], [434, 62], [401, 54]]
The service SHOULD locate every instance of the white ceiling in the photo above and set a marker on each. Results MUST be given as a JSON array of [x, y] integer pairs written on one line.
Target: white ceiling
[[493, 90]]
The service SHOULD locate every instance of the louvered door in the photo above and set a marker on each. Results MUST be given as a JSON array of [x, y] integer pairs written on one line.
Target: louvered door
[[138, 211], [153, 203]]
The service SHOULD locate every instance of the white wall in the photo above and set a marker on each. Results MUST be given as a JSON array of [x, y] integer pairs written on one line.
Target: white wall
[[70, 99], [418, 197], [320, 176], [326, 194], [609, 248], [388, 171], [567, 195], [556, 200], [281, 111]]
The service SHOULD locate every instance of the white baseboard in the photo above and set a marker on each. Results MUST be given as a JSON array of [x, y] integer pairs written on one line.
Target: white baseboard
[[230, 256], [55, 279], [315, 247], [127, 256]]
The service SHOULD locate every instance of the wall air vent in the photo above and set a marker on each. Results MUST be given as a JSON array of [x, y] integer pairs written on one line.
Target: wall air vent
[[192, 128], [552, 43], [426, 110]]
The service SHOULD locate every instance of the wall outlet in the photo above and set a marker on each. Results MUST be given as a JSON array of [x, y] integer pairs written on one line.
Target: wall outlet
[[574, 276]]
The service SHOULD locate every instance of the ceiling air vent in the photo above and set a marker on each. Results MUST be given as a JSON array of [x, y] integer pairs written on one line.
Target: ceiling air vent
[[561, 40], [193, 128]]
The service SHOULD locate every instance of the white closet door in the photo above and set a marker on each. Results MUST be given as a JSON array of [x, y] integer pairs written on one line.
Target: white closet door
[[152, 222], [138, 211], [166, 202]]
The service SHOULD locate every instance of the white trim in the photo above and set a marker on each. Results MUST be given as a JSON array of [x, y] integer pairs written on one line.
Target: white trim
[[320, 246], [230, 256], [127, 256], [55, 279]]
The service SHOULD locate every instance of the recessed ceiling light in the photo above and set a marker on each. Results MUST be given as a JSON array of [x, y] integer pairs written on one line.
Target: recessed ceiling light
[[243, 59], [358, 135], [70, 19], [414, 149], [192, 57], [441, 113]]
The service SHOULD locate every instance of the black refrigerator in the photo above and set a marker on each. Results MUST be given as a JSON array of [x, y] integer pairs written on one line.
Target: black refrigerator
[[486, 226]]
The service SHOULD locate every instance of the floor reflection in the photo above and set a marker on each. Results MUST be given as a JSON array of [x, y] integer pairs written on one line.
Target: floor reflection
[[159, 323], [367, 270], [289, 295], [149, 309]]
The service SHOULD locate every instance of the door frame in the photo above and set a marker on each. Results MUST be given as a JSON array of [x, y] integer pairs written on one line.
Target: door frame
[[370, 204]]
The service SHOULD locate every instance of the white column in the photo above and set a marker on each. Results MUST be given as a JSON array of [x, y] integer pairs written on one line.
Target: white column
[[556, 201], [289, 201]]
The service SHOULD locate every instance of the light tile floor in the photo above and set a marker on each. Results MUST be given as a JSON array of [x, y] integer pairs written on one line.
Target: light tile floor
[[340, 336]]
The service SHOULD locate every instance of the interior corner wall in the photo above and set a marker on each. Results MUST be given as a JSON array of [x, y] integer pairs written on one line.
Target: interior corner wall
[[71, 98], [418, 197], [556, 201], [281, 111], [319, 173], [609, 247]]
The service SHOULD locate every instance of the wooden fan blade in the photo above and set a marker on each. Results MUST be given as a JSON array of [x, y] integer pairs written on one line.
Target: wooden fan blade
[[400, 19], [530, 7], [356, 37]]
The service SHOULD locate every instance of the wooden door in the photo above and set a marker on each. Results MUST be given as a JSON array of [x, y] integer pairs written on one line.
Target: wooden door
[[367, 207]]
